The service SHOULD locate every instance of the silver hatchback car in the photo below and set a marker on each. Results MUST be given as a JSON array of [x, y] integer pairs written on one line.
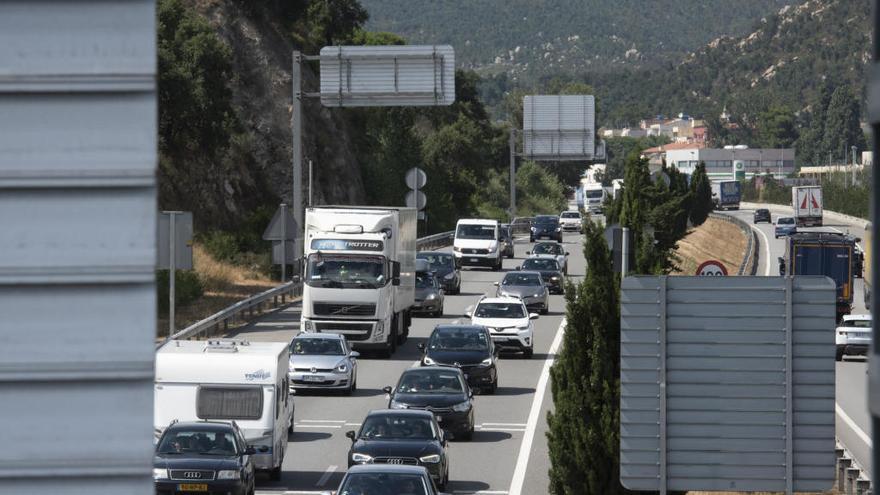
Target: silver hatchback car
[[525, 285], [322, 361]]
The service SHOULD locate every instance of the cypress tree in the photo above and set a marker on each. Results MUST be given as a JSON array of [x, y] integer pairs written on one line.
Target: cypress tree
[[583, 434], [701, 192]]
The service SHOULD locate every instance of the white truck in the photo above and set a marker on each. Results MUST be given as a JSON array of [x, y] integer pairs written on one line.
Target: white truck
[[594, 197], [806, 201], [359, 274], [232, 380]]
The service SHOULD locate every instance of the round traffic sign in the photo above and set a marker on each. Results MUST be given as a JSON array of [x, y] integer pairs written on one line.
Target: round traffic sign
[[417, 201], [416, 178], [712, 268]]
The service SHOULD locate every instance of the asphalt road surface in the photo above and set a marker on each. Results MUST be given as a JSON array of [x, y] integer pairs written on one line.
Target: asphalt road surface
[[508, 453], [853, 426]]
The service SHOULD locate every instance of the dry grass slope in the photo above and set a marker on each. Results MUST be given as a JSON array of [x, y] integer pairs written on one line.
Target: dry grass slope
[[224, 285], [714, 240]]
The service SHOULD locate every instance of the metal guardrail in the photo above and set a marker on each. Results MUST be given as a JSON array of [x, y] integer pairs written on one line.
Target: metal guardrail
[[276, 296], [749, 265]]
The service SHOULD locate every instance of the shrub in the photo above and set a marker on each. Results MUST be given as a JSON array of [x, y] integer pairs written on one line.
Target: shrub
[[187, 288]]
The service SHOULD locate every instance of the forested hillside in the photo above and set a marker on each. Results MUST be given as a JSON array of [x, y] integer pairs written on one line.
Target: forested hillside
[[531, 38]]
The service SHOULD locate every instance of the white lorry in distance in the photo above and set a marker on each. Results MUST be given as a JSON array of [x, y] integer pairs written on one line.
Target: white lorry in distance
[[477, 243], [359, 274], [594, 197], [806, 201], [229, 380]]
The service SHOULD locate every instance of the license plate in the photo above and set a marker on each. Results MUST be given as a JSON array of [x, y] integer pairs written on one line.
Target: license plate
[[500, 339], [192, 487], [475, 260], [439, 419], [313, 378]]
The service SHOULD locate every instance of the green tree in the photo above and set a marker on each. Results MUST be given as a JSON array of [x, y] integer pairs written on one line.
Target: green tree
[[777, 128], [335, 22], [810, 145], [583, 434], [843, 128], [701, 199]]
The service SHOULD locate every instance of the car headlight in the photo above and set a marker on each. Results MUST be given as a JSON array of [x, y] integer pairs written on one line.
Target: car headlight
[[429, 361], [456, 249], [523, 327], [342, 367], [449, 276], [558, 229], [486, 362], [430, 459], [534, 229], [554, 278], [356, 457], [307, 326], [538, 294], [380, 329], [431, 297], [228, 475], [397, 405], [462, 406], [160, 474]]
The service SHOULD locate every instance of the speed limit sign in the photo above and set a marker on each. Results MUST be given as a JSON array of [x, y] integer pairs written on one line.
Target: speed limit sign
[[712, 268]]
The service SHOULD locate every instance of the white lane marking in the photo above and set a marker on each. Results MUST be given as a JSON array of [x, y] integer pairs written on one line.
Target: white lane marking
[[321, 421], [766, 249], [505, 424], [352, 424], [498, 428], [525, 448], [852, 424], [486, 492], [300, 425], [326, 476]]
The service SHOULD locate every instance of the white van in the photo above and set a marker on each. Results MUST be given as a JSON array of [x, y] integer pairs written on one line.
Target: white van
[[477, 243], [228, 380]]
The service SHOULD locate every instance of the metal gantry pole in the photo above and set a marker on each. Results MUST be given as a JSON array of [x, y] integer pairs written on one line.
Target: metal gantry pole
[[172, 271], [664, 482], [624, 252], [789, 390], [310, 183], [873, 91], [512, 144], [283, 242], [296, 130]]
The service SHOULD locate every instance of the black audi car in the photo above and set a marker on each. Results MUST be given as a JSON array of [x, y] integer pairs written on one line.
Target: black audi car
[[467, 347], [442, 390], [204, 457], [552, 276], [762, 215], [443, 266], [546, 226], [412, 438]]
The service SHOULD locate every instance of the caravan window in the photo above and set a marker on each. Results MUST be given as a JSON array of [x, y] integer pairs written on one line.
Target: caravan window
[[230, 403]]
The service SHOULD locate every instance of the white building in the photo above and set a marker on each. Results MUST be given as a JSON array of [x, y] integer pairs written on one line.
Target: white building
[[720, 162]]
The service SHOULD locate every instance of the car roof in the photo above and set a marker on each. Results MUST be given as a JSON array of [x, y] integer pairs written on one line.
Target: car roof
[[467, 328], [856, 317], [525, 272], [409, 412], [432, 369], [553, 243], [200, 425], [319, 335], [501, 300], [387, 468], [547, 216], [477, 221]]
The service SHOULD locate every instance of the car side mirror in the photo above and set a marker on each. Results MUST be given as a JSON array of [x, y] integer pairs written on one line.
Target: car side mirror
[[351, 434], [263, 448], [496, 284], [448, 435], [528, 252], [296, 279], [519, 268], [421, 346], [387, 390], [468, 314], [354, 354], [250, 450], [533, 316], [858, 239], [567, 253]]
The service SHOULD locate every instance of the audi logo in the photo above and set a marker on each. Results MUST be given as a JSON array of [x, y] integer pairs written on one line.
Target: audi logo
[[395, 461], [192, 475]]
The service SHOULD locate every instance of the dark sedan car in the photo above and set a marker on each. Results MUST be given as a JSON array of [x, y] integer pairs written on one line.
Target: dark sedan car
[[467, 347], [203, 457], [550, 272], [546, 226], [368, 479], [762, 215], [428, 296], [443, 266], [441, 390], [401, 437], [505, 234]]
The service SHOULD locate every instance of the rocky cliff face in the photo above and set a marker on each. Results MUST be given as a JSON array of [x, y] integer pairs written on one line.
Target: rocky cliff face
[[262, 95]]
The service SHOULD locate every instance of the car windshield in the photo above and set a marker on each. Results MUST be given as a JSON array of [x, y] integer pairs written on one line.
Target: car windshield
[[570, 214], [320, 347], [500, 310], [785, 221], [595, 194], [857, 323], [528, 279], [424, 280], [383, 484], [345, 272], [455, 339], [199, 442], [430, 382], [437, 260], [546, 220], [469, 231], [547, 248], [540, 264]]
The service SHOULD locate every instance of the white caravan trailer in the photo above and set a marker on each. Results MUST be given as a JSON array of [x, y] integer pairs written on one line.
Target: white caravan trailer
[[228, 380]]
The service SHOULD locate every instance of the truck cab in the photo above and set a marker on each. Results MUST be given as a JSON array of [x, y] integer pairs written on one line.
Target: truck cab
[[359, 274], [823, 253]]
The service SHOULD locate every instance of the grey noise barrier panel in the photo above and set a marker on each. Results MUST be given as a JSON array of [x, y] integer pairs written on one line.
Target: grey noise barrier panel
[[727, 383]]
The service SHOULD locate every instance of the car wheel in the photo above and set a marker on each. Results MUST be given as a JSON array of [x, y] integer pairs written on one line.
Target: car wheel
[[467, 436], [275, 474], [838, 356], [492, 388], [545, 310], [531, 238], [528, 353]]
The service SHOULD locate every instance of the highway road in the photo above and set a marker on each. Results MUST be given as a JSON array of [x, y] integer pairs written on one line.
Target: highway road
[[853, 420], [508, 453]]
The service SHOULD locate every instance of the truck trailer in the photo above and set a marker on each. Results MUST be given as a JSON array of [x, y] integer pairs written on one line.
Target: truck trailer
[[726, 195], [823, 253], [806, 201], [359, 274]]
